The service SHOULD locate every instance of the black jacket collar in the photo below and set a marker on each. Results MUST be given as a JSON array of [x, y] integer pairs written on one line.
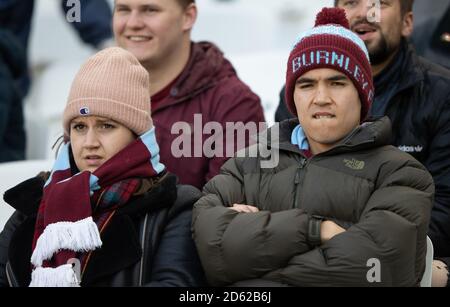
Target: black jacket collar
[[406, 70]]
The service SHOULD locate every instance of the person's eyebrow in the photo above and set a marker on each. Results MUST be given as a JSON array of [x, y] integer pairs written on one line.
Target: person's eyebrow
[[120, 5], [105, 120], [149, 6], [305, 80], [77, 121], [338, 78]]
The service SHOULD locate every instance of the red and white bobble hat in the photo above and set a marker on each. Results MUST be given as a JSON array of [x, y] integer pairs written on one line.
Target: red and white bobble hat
[[331, 44]]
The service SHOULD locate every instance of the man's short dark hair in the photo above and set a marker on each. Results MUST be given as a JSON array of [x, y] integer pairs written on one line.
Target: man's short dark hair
[[185, 3], [406, 5]]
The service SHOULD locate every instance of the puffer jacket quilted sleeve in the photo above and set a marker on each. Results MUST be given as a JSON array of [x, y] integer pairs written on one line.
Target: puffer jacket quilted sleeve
[[386, 247], [238, 246]]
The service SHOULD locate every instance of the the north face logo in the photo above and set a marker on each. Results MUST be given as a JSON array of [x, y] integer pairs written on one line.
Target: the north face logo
[[354, 164]]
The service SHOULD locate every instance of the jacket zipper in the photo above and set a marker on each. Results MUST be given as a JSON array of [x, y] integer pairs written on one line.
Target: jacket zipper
[[141, 270], [298, 181], [300, 174]]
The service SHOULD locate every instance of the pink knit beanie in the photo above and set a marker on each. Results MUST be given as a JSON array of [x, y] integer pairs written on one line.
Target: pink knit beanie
[[111, 84]]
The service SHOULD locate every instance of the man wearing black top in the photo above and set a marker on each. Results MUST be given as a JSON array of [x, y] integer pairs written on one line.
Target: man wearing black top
[[415, 94]]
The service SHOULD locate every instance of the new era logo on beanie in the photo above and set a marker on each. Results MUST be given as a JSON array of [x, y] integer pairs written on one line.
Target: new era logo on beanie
[[330, 44]]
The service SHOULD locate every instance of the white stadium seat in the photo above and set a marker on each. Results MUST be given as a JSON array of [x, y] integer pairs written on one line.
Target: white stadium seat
[[44, 111], [14, 173], [426, 278]]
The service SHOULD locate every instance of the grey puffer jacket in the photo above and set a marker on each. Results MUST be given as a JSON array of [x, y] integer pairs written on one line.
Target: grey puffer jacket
[[380, 195]]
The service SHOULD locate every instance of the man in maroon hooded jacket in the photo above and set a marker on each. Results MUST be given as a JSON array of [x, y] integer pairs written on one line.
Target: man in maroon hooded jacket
[[186, 79]]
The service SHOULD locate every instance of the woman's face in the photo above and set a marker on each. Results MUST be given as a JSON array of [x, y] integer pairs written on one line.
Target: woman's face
[[96, 139]]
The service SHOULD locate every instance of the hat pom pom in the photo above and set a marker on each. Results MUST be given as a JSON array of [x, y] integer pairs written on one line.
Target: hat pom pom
[[332, 15]]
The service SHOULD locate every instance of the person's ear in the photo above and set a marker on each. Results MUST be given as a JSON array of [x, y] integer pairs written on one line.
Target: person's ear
[[408, 24], [190, 16]]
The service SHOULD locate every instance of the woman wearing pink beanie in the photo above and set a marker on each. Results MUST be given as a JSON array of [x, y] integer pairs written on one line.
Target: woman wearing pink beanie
[[109, 213]]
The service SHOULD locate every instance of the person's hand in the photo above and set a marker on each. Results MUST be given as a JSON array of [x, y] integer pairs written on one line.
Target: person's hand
[[439, 275], [329, 229], [244, 208]]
